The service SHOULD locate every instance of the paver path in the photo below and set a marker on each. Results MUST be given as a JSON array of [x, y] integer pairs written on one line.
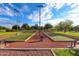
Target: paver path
[[34, 42], [25, 53]]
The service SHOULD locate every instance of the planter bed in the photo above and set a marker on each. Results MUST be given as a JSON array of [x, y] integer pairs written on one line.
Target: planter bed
[[73, 37], [62, 38], [20, 37], [58, 37]]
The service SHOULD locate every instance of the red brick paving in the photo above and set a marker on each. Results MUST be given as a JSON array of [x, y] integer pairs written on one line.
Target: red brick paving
[[34, 42], [25, 53]]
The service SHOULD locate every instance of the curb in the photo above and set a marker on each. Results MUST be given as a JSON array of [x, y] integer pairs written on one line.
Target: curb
[[53, 52], [48, 36], [25, 48], [57, 40], [37, 48], [30, 37], [70, 36]]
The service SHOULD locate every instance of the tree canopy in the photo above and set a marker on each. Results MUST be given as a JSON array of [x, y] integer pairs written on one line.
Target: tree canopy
[[48, 26], [16, 27], [25, 27]]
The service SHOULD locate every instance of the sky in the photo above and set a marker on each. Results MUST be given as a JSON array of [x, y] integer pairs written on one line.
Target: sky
[[53, 13]]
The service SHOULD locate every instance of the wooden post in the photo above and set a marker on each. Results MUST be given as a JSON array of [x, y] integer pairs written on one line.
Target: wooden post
[[71, 44], [74, 43]]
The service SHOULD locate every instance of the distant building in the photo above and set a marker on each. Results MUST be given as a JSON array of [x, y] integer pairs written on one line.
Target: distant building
[[2, 30]]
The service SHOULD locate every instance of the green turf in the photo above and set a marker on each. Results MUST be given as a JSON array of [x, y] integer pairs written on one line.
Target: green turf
[[66, 52], [20, 37], [68, 33], [6, 33], [61, 38]]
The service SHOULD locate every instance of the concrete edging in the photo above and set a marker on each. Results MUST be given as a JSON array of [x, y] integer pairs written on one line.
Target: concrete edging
[[58, 40], [53, 52], [48, 36], [25, 48], [30, 37], [34, 48]]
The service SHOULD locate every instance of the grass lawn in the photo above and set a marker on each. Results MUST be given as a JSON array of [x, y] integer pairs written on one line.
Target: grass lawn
[[7, 33], [4, 35], [68, 33], [62, 38], [20, 37], [66, 52], [59, 37]]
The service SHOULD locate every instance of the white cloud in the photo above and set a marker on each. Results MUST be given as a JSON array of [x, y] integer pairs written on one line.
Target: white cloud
[[24, 7], [73, 5], [47, 14], [38, 1], [6, 11], [59, 5], [34, 17], [4, 19], [1, 10], [55, 21], [74, 18], [20, 9], [56, 5], [74, 14]]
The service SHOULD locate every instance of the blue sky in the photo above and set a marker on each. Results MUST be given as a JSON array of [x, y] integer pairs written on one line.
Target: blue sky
[[51, 13]]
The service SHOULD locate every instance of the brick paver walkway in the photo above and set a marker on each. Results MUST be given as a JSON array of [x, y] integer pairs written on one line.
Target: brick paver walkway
[[34, 42], [25, 53]]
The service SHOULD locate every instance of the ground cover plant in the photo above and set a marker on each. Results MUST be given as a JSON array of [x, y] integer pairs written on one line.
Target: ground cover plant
[[4, 35], [7, 33], [62, 38], [66, 52], [15, 36], [68, 33], [57, 37], [22, 36]]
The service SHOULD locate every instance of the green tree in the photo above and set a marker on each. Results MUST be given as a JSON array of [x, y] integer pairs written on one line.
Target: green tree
[[35, 27], [2, 27], [61, 26], [67, 25], [15, 27], [76, 28], [64, 26], [48, 26], [25, 27]]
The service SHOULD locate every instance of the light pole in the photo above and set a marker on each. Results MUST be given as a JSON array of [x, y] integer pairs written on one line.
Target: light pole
[[17, 14], [39, 9]]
